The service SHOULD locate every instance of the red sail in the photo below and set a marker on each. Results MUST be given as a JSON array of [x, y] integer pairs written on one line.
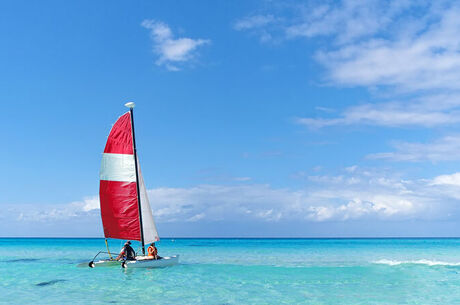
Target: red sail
[[117, 191]]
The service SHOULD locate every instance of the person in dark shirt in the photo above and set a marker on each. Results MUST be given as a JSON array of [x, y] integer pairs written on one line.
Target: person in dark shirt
[[127, 252]]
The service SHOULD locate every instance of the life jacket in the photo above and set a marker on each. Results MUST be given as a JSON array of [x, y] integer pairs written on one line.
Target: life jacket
[[152, 251]]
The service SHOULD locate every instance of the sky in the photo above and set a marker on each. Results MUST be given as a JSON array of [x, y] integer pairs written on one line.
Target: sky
[[253, 118]]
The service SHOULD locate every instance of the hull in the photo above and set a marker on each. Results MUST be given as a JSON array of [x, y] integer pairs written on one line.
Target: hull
[[140, 262], [101, 263], [145, 262]]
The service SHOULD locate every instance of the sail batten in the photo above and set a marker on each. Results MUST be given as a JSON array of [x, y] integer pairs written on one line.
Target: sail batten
[[118, 191]]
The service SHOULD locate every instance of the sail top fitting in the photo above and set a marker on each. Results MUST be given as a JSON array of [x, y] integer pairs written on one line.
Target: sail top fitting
[[130, 105]]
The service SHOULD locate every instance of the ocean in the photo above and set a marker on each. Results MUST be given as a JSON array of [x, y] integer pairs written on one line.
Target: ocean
[[236, 271]]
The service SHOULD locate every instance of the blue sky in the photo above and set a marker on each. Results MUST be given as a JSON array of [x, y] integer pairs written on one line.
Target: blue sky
[[253, 118]]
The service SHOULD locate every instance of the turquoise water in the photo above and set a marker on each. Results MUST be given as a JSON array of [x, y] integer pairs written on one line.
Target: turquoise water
[[237, 271]]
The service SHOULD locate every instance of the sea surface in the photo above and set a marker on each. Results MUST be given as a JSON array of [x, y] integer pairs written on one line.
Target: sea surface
[[236, 271]]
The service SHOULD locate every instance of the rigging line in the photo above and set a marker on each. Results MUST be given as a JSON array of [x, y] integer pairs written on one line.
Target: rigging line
[[108, 250]]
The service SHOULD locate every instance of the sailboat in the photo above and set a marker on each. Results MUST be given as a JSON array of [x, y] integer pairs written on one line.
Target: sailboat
[[125, 207]]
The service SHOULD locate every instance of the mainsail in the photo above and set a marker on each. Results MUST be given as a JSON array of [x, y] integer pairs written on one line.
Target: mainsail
[[118, 191]]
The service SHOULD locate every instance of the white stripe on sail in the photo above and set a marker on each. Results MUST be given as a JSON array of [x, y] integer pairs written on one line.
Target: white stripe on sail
[[118, 167], [148, 224]]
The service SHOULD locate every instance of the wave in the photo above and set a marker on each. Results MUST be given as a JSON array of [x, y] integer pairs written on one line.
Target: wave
[[416, 262]]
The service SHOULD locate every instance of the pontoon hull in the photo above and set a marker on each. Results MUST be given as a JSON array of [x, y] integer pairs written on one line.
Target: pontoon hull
[[145, 262], [140, 262]]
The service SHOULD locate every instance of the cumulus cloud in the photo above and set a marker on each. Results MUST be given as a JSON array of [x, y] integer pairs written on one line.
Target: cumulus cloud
[[452, 179], [385, 206], [444, 149], [88, 203], [171, 51], [221, 202], [362, 195], [358, 194]]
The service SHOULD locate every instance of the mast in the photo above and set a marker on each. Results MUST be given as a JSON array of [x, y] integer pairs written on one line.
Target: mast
[[131, 105]]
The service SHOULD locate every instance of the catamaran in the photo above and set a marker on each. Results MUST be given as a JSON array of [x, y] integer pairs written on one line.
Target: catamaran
[[125, 207]]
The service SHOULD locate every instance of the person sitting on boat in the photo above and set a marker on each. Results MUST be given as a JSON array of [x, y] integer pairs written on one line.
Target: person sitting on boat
[[127, 252], [153, 252]]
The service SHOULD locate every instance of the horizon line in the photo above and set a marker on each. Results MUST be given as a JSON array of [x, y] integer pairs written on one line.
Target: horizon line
[[348, 237]]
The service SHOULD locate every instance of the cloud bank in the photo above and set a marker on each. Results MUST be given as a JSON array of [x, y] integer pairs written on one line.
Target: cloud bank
[[355, 195]]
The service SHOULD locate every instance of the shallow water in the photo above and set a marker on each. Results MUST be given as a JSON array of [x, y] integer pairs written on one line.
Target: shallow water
[[237, 271]]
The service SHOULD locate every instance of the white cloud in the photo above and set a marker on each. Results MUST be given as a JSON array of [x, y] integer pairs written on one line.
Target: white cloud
[[196, 217], [405, 46], [252, 22], [427, 111], [347, 20], [362, 195], [444, 149], [50, 213], [351, 169], [89, 203], [219, 202], [356, 195], [452, 179], [171, 52], [242, 178], [409, 45], [426, 59], [418, 54], [263, 26], [383, 205]]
